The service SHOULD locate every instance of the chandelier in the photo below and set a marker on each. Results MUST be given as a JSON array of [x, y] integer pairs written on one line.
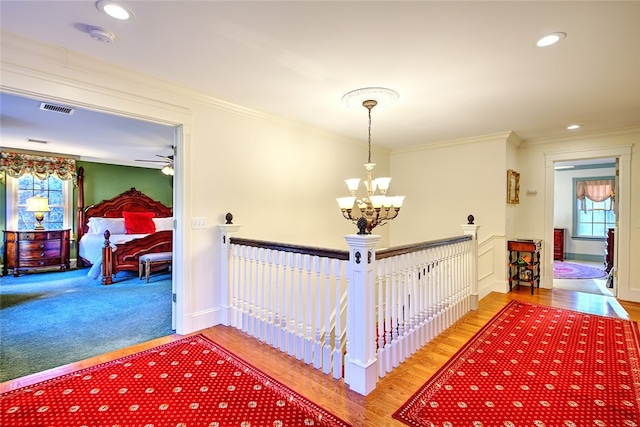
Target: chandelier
[[376, 207]]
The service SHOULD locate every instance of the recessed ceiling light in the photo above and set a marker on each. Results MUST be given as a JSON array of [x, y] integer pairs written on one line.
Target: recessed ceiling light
[[573, 127], [114, 10], [550, 39]]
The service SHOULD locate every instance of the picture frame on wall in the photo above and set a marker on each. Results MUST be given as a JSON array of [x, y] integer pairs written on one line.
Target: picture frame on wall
[[513, 187]]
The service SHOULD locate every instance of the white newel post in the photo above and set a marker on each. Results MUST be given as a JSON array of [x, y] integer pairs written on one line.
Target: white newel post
[[361, 364], [471, 229], [225, 256]]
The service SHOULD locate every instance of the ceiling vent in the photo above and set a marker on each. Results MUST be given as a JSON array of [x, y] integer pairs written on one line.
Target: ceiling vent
[[37, 141], [56, 108]]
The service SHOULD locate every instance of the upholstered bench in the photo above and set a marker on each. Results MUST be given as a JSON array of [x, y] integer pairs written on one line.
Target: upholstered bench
[[153, 262]]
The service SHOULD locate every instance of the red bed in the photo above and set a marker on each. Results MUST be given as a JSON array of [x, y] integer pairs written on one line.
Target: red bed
[[110, 243]]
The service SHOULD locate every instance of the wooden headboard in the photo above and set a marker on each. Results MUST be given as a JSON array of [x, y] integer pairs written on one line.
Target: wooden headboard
[[131, 200]]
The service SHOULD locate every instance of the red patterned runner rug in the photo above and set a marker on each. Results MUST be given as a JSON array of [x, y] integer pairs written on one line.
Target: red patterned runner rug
[[539, 366], [185, 383]]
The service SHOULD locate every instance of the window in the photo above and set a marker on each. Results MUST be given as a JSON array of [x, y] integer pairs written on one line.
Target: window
[[57, 191], [51, 188], [28, 175], [594, 203]]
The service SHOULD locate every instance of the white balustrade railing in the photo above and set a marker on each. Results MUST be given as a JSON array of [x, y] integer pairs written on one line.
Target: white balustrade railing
[[420, 294], [355, 315]]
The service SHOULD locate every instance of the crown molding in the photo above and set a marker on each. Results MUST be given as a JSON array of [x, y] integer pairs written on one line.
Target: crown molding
[[582, 136], [509, 137]]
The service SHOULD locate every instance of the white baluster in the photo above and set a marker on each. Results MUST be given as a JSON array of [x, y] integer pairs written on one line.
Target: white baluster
[[337, 349], [319, 288], [294, 263], [268, 319], [285, 292], [404, 312], [259, 293], [388, 316], [380, 264], [308, 339], [414, 298], [326, 337], [275, 329], [394, 312], [302, 260]]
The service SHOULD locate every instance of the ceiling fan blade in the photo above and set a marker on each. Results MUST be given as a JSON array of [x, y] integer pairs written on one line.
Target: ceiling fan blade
[[151, 161]]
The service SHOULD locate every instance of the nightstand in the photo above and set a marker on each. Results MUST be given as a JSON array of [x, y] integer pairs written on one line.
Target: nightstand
[[35, 249]]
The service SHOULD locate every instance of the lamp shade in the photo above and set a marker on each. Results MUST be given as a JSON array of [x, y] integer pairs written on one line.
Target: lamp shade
[[346, 202], [37, 204]]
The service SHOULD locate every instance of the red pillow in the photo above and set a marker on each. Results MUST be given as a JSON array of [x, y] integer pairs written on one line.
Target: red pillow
[[139, 222]]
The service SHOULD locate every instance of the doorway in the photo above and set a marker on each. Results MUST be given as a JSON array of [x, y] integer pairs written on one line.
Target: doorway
[[581, 226], [622, 154]]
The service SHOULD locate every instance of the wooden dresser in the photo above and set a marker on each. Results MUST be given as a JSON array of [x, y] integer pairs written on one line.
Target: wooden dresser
[[35, 249], [558, 244]]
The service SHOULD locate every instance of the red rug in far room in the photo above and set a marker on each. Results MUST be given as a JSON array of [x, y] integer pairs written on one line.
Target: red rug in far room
[[538, 366], [190, 382]]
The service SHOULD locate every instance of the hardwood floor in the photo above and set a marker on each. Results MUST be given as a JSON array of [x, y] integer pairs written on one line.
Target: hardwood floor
[[393, 390]]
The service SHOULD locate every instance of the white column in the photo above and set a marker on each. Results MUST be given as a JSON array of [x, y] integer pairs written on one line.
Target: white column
[[472, 230], [225, 255], [361, 364]]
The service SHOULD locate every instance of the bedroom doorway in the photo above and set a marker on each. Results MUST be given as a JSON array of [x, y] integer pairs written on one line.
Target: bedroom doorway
[[581, 225], [621, 285], [135, 112]]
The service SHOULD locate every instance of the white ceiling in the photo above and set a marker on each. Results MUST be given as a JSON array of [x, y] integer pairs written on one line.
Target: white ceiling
[[462, 69]]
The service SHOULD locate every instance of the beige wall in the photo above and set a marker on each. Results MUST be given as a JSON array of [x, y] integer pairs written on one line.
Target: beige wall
[[444, 183]]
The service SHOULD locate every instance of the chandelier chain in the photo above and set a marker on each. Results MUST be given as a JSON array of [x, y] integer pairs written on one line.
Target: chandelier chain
[[369, 160]]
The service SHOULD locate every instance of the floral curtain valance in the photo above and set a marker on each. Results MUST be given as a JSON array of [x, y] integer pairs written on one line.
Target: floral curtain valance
[[17, 164], [596, 191]]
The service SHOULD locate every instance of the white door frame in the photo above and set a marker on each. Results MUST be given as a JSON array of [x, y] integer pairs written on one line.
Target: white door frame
[[621, 260], [140, 109]]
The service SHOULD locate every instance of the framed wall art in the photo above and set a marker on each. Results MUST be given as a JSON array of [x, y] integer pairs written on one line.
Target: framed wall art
[[513, 187]]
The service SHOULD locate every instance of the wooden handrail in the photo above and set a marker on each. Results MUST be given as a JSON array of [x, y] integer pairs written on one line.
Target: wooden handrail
[[344, 255], [415, 247], [285, 247]]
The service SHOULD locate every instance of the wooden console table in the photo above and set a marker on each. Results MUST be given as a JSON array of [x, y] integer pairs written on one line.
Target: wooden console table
[[524, 263]]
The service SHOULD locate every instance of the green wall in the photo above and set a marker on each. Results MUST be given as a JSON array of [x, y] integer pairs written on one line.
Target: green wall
[[104, 181]]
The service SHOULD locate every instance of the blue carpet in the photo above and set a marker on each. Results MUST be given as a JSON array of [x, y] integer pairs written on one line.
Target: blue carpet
[[51, 319]]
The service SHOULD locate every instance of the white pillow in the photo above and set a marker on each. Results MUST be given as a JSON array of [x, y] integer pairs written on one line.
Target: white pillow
[[100, 225], [163, 224]]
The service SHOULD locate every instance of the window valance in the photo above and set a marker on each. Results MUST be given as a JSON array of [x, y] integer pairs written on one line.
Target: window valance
[[596, 191], [18, 164]]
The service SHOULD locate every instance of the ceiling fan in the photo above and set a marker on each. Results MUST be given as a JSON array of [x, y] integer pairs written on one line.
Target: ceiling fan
[[168, 160]]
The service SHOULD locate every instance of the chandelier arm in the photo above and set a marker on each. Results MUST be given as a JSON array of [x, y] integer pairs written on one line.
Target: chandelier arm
[[346, 213]]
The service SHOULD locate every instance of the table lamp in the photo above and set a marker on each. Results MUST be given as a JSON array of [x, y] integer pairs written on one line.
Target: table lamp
[[38, 205]]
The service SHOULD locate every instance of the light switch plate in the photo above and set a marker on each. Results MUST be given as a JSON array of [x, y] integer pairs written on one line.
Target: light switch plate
[[198, 223]]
